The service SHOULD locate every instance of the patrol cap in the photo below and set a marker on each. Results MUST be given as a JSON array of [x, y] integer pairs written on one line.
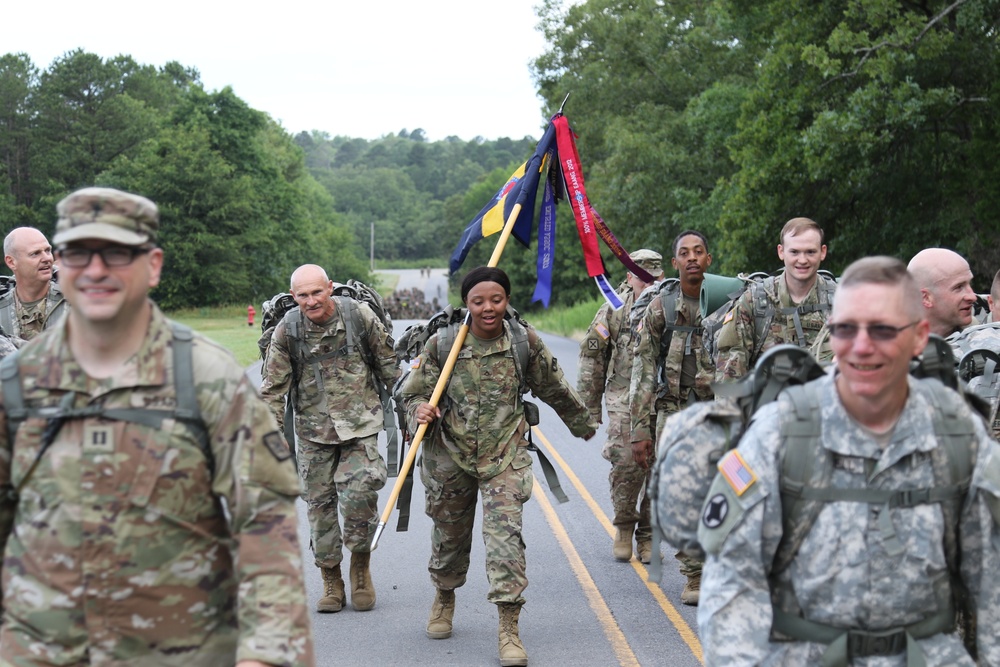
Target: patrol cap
[[650, 260], [106, 214]]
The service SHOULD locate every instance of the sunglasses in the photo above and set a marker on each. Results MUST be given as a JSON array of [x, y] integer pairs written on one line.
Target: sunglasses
[[78, 258], [883, 332]]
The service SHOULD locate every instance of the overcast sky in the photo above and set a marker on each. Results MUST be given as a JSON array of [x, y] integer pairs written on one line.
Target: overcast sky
[[359, 68]]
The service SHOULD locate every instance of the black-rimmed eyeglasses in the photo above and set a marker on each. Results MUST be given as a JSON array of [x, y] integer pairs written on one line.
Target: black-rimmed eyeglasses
[[116, 255], [849, 331]]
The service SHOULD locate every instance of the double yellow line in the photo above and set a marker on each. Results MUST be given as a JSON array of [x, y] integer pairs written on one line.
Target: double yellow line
[[619, 644]]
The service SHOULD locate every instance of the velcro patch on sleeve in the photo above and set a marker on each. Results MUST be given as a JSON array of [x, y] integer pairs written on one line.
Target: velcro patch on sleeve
[[602, 331], [729, 316], [737, 472], [415, 364], [276, 445]]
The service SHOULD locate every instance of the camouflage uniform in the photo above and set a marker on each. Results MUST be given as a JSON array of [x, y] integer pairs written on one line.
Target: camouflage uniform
[[650, 407], [22, 322], [843, 574], [738, 343], [7, 346], [478, 445], [337, 420], [605, 368], [982, 336], [126, 546]]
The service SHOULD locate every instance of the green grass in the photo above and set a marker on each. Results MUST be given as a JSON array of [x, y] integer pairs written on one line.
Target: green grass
[[227, 326]]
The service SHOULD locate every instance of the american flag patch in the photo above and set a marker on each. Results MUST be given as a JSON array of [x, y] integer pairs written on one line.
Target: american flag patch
[[737, 472], [602, 331], [729, 316], [415, 364]]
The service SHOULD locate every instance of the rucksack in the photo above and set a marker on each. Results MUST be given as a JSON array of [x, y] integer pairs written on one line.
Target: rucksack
[[446, 324], [694, 439], [764, 309], [282, 307], [186, 411], [668, 292], [980, 370]]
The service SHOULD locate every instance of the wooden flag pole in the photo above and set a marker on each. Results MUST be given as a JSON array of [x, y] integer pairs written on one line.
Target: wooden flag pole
[[439, 388]]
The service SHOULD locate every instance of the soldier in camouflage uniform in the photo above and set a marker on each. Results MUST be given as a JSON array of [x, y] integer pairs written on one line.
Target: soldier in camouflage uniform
[[140, 543], [35, 302], [338, 416], [661, 387], [800, 298], [478, 445], [869, 582], [605, 368], [982, 337], [945, 281]]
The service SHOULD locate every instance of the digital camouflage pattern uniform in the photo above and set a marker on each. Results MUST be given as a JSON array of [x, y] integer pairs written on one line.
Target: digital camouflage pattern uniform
[[22, 322], [651, 403], [6, 346], [478, 445], [605, 369], [127, 547], [738, 343], [844, 573], [338, 416], [981, 336]]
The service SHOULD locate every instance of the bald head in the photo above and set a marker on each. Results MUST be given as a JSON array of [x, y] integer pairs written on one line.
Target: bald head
[[945, 282], [312, 291], [28, 255]]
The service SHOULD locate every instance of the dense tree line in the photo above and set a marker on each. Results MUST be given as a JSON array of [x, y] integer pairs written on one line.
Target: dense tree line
[[239, 209], [877, 118]]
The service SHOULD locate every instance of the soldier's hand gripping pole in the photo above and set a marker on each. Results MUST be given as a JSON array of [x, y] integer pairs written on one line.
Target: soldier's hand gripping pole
[[439, 388]]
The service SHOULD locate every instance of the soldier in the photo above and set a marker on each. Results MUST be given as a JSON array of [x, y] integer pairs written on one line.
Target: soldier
[[480, 447], [671, 370], [856, 507], [36, 301], [135, 533], [945, 282], [605, 368], [789, 308], [338, 415]]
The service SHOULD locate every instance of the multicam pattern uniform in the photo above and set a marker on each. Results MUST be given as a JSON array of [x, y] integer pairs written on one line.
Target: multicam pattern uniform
[[120, 551], [650, 407], [478, 446], [842, 574], [22, 323], [605, 368], [738, 343], [337, 419]]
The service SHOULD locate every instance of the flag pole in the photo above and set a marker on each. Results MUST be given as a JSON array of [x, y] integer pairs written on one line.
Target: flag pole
[[442, 383]]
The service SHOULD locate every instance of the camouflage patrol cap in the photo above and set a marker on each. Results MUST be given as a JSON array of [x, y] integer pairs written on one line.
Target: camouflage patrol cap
[[106, 214], [650, 260]]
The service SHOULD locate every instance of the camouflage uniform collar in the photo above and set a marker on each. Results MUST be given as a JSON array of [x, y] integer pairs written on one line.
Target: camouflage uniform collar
[[59, 369], [784, 298]]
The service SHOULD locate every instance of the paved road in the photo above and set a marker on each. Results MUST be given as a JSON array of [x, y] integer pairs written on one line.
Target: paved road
[[584, 608]]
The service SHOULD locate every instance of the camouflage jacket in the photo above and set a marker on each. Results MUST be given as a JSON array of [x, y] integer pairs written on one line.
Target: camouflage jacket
[[605, 366], [22, 326], [986, 336], [337, 401], [483, 414], [647, 399], [739, 345], [126, 545], [845, 573]]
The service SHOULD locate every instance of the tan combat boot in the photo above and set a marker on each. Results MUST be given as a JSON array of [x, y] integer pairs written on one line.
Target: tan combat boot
[[333, 591], [622, 549], [692, 590], [644, 550], [442, 612], [511, 649], [362, 588]]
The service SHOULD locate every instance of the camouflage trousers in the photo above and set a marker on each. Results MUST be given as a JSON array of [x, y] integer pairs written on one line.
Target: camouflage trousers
[[450, 495], [628, 480], [347, 476], [689, 567]]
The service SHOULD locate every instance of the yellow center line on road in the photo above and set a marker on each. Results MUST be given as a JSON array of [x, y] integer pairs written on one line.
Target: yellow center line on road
[[683, 629]]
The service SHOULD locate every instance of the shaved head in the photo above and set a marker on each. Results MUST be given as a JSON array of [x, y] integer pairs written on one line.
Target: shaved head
[[945, 282]]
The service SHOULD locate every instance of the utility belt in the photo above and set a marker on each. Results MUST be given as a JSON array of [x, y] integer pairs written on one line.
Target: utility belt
[[845, 644]]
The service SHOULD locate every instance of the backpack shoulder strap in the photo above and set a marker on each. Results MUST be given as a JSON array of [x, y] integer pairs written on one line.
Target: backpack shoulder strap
[[7, 312], [763, 310], [13, 395], [521, 347]]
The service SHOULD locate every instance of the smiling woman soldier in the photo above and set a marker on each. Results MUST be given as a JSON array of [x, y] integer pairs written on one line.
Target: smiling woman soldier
[[479, 445]]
